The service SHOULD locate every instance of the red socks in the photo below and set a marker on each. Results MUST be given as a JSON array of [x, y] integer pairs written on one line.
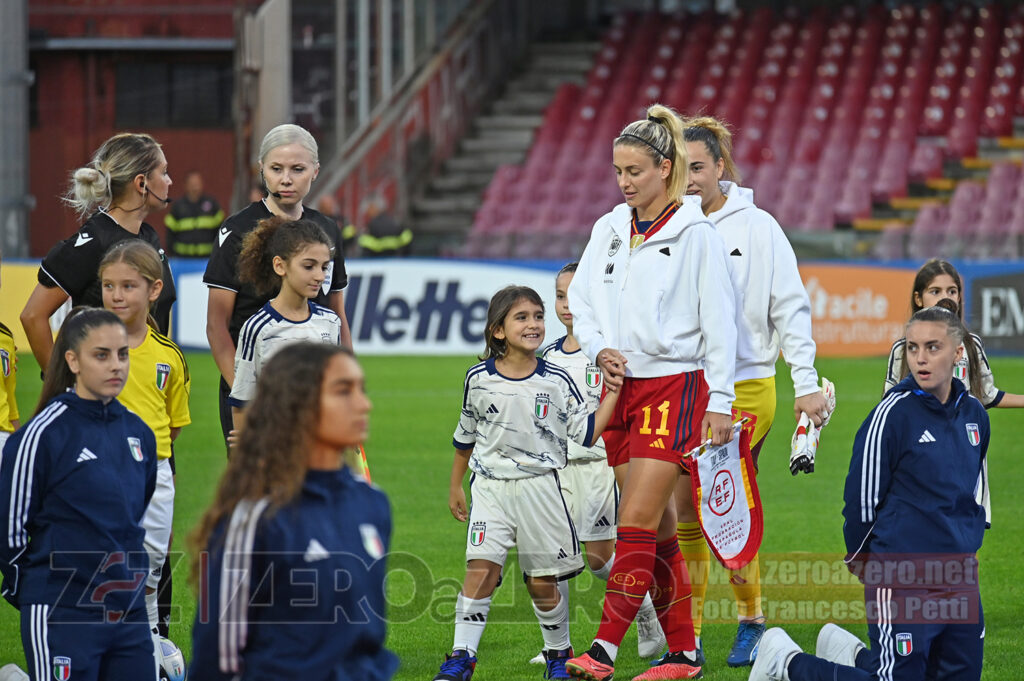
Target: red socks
[[631, 577], [671, 596]]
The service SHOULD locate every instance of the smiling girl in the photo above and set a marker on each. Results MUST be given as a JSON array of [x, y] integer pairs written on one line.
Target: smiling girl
[[518, 414], [157, 389], [77, 479]]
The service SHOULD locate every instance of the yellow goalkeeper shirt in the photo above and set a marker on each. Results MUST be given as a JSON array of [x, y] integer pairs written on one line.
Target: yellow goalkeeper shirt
[[158, 388], [8, 380]]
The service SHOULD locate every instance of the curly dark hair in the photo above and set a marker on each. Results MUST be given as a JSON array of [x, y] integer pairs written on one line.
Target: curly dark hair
[[270, 459], [275, 236]]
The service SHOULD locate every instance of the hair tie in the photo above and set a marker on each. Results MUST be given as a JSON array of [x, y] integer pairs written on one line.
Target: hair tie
[[637, 137], [652, 119]]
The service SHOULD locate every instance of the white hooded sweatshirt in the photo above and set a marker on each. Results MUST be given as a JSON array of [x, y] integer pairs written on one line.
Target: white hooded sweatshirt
[[668, 306], [775, 306]]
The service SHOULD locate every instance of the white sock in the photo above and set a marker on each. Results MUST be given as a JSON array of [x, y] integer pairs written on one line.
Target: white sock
[[554, 624], [610, 648], [152, 610], [470, 620], [605, 570], [563, 589], [153, 614]]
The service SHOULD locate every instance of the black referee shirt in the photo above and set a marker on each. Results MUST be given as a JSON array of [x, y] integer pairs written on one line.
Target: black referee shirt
[[73, 264], [222, 270]]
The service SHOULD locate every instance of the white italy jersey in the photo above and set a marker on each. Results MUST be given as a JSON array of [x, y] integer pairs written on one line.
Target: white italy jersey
[[265, 333], [519, 428], [587, 376]]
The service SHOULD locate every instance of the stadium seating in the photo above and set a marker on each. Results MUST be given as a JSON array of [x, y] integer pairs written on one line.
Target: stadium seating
[[833, 111]]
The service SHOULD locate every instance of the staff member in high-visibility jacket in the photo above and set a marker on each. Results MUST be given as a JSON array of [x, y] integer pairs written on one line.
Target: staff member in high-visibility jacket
[[193, 221], [385, 237]]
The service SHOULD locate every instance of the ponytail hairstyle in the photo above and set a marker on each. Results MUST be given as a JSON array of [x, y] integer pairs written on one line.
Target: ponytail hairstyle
[[501, 304], [660, 136], [718, 140], [77, 325], [275, 237], [948, 312], [109, 174], [271, 458], [142, 258]]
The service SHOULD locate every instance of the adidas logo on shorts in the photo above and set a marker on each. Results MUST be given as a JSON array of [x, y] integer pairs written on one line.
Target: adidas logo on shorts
[[658, 444], [602, 522], [492, 409], [562, 554]]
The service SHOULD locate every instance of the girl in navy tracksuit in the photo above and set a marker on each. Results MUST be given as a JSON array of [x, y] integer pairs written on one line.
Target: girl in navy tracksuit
[[75, 482], [290, 559], [912, 530]]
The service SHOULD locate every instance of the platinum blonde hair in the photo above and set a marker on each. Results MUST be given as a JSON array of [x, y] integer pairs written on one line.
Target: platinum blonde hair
[[289, 133]]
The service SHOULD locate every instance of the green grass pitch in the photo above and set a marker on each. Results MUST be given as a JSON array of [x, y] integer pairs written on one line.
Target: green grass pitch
[[416, 404]]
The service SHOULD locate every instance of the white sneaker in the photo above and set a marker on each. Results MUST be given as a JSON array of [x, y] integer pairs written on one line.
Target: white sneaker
[[774, 652], [12, 672], [533, 660], [836, 644], [650, 639]]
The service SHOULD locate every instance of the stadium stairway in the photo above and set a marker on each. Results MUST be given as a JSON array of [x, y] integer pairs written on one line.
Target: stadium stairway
[[972, 208], [502, 134]]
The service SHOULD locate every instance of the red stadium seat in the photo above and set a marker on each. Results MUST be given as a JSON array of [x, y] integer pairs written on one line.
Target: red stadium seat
[[826, 108]]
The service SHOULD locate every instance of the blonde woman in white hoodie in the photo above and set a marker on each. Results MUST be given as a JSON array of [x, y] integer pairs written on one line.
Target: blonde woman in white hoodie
[[654, 307], [775, 312]]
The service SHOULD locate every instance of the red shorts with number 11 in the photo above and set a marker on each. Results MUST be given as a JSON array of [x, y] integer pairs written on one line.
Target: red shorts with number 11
[[657, 418]]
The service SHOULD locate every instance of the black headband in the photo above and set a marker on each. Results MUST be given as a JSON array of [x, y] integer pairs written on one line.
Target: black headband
[[637, 137]]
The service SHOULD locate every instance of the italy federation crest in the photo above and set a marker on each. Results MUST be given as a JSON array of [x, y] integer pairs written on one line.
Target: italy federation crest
[[61, 668], [973, 434], [135, 445], [593, 376], [372, 542], [476, 533], [163, 372], [5, 362], [960, 370], [904, 644], [541, 406]]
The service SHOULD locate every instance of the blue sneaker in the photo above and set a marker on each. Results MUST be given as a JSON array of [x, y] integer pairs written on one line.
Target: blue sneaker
[[458, 666], [744, 648], [555, 661]]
